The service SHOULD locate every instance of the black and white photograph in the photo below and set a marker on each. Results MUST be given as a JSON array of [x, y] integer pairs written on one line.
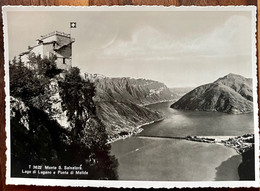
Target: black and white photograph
[[131, 96]]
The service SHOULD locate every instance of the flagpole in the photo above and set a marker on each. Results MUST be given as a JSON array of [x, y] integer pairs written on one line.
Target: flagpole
[[72, 25], [70, 45]]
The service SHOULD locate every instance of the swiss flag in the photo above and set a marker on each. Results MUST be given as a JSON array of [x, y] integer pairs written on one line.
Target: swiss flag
[[73, 24]]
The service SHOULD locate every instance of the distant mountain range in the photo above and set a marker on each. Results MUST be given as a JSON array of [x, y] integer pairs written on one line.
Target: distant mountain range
[[179, 92], [230, 94], [138, 91], [120, 103]]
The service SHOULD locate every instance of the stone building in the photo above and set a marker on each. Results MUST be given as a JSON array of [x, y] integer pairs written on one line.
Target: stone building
[[57, 44]]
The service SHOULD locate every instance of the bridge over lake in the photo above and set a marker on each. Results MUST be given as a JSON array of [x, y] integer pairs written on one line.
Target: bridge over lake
[[159, 137]]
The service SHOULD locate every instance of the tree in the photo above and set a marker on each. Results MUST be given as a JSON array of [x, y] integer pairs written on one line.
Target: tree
[[33, 61], [48, 68], [77, 96], [86, 142], [23, 83], [28, 83], [88, 133]]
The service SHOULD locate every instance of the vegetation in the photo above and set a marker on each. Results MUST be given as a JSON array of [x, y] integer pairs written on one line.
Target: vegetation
[[23, 82], [246, 169], [46, 142], [89, 136]]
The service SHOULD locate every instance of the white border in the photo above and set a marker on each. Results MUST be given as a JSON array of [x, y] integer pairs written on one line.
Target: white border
[[118, 183]]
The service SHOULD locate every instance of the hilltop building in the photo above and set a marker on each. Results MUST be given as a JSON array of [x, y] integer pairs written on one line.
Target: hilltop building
[[57, 44]]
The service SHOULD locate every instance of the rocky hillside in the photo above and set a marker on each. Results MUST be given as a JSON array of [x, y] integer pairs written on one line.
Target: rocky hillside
[[120, 104], [124, 118], [54, 122], [230, 94], [138, 91], [59, 117]]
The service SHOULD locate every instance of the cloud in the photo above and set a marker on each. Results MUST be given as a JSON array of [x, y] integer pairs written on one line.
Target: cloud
[[228, 39], [146, 41]]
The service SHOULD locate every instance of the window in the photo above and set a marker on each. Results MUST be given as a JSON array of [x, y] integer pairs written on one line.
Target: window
[[53, 43], [64, 59]]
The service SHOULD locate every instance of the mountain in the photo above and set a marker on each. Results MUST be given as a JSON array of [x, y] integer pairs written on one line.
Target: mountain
[[138, 91], [229, 94], [120, 103], [124, 118]]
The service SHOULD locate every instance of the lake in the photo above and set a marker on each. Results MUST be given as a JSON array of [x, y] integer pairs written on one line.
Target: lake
[[164, 159]]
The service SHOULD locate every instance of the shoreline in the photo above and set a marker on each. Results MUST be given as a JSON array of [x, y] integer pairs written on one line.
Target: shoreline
[[136, 131], [201, 110], [240, 143], [139, 128], [243, 145], [164, 101], [228, 169]]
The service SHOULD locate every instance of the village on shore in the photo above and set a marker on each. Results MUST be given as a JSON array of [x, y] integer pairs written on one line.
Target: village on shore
[[240, 143]]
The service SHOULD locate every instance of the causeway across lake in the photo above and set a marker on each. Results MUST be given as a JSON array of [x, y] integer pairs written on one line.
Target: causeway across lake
[[160, 151]]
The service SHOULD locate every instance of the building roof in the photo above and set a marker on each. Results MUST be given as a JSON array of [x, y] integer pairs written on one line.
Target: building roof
[[59, 47], [65, 45], [55, 33]]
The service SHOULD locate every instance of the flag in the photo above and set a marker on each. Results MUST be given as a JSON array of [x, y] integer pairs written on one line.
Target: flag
[[72, 24]]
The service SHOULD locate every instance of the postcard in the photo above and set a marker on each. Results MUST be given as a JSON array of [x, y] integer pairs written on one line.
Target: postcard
[[125, 96]]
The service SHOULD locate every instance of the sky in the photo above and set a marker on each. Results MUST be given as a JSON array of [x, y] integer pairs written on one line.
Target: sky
[[178, 48]]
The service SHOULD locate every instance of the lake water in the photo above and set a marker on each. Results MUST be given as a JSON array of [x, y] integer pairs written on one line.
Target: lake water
[[153, 158]]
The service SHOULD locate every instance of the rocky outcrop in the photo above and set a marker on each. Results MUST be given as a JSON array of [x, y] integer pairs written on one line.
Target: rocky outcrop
[[19, 110], [230, 94], [35, 138], [54, 122]]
